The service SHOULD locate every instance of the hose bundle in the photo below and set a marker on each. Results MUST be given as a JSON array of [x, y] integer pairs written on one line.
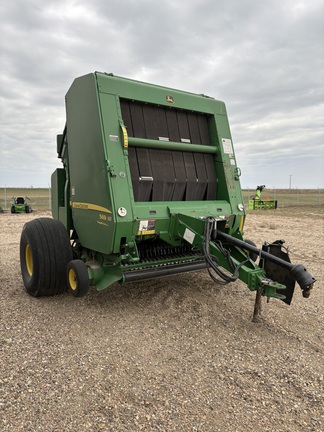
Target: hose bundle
[[225, 278]]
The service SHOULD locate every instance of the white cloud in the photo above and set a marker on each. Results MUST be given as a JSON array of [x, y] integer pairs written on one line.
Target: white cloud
[[264, 59]]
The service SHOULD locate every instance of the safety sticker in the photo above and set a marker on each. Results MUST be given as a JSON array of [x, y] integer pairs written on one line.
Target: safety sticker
[[146, 227], [227, 146], [189, 235]]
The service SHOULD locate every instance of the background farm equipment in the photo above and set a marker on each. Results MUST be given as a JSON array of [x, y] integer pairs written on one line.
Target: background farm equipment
[[257, 203], [149, 187], [20, 205]]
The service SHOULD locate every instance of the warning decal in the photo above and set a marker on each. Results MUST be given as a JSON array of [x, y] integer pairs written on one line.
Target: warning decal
[[189, 236], [146, 227], [227, 146]]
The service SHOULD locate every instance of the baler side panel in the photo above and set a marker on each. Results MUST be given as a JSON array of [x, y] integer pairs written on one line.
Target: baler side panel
[[90, 198], [60, 206], [118, 170], [229, 187]]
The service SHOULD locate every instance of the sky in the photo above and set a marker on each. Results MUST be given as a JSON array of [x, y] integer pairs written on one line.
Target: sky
[[264, 59]]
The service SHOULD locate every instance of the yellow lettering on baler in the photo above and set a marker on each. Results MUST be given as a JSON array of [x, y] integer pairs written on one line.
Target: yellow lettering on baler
[[89, 206]]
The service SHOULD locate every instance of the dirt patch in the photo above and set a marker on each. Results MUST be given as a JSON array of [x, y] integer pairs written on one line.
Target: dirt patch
[[178, 353]]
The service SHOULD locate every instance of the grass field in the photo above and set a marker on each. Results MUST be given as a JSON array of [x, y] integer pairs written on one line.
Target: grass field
[[289, 197], [40, 197]]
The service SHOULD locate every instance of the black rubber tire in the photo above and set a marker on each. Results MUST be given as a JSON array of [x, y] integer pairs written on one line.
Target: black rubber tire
[[252, 255], [12, 209], [77, 278], [27, 209], [45, 251]]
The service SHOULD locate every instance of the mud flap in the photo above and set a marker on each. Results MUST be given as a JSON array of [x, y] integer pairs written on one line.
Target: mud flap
[[277, 273]]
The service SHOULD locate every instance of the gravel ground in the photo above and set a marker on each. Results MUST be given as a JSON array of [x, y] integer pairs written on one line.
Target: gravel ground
[[172, 354]]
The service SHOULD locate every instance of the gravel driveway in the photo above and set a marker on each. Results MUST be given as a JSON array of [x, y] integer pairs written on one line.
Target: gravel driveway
[[172, 354]]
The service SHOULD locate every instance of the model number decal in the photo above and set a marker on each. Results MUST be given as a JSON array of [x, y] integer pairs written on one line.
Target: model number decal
[[104, 217]]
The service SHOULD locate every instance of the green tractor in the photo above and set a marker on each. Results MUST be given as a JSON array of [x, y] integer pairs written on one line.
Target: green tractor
[[149, 187], [20, 205]]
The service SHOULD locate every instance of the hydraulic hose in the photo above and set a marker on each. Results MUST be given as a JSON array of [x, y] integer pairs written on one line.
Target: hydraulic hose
[[223, 277]]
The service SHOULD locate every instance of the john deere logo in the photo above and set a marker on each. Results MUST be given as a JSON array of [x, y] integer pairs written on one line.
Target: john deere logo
[[169, 99]]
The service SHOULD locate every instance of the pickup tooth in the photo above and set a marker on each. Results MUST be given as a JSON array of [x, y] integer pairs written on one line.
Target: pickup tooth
[[157, 250]]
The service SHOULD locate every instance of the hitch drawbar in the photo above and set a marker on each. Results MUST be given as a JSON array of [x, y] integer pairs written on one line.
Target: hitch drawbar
[[297, 271]]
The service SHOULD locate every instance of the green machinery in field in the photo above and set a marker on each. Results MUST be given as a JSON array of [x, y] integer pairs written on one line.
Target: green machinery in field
[[256, 203], [149, 187], [20, 205]]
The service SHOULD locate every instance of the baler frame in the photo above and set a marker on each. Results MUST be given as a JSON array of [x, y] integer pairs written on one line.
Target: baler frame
[[149, 187]]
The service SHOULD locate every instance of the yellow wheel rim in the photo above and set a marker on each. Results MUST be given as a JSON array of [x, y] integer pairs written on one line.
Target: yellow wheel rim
[[29, 260], [72, 279]]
